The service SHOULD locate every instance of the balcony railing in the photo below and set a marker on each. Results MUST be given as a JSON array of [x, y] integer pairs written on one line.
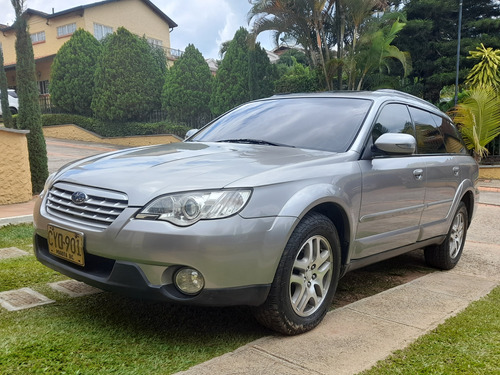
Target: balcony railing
[[173, 54]]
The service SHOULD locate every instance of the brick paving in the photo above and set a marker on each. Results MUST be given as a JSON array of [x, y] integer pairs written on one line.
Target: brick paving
[[24, 298], [74, 288], [12, 252]]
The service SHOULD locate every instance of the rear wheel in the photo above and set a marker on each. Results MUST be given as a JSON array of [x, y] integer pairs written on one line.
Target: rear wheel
[[447, 255], [13, 110], [306, 278]]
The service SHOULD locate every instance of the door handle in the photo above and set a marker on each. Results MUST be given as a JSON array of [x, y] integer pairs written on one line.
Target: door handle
[[456, 171], [418, 173]]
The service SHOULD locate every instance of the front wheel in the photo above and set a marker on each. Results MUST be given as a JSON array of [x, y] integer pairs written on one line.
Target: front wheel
[[306, 278], [447, 255]]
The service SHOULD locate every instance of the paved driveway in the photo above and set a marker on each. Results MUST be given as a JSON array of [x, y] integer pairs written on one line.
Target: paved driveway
[[62, 151]]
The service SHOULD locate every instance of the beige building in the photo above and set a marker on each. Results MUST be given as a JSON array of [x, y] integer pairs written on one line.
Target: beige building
[[50, 31]]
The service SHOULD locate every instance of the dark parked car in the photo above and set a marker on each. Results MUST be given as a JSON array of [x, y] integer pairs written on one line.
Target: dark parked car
[[267, 206]]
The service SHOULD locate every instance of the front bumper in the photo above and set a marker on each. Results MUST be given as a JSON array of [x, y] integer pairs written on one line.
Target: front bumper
[[237, 257]]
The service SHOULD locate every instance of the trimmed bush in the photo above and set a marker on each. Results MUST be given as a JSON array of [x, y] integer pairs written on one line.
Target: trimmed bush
[[128, 80], [71, 79], [115, 129], [187, 89]]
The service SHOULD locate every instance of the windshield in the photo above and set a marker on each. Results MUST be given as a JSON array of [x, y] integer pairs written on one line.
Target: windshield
[[328, 124]]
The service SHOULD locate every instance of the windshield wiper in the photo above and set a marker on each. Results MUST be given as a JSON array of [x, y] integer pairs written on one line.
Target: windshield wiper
[[254, 142]]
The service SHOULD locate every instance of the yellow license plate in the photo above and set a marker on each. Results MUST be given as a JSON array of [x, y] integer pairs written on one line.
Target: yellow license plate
[[66, 244]]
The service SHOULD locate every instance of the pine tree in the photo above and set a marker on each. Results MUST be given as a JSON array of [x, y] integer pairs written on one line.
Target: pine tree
[[187, 89], [431, 37], [70, 87], [6, 115], [128, 81], [244, 74], [29, 117]]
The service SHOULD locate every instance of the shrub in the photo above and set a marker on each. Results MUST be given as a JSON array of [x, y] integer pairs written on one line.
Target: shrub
[[188, 87], [128, 80], [71, 79]]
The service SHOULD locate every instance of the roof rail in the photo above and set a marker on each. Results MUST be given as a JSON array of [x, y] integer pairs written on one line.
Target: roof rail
[[405, 94]]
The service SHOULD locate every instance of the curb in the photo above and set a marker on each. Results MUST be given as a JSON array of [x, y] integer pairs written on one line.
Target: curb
[[16, 220]]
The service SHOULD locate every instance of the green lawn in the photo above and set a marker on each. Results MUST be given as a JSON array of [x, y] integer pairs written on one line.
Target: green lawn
[[468, 343]]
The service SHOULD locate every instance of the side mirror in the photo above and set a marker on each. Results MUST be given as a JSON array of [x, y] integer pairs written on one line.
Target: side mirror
[[396, 143], [190, 133]]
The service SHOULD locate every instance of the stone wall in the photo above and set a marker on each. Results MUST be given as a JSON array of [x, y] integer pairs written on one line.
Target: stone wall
[[76, 133], [15, 175]]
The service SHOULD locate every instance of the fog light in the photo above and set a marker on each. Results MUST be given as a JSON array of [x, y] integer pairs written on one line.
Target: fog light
[[189, 281]]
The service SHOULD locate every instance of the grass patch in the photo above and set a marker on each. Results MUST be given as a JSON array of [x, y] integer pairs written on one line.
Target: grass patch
[[24, 271], [106, 333], [468, 343], [20, 236]]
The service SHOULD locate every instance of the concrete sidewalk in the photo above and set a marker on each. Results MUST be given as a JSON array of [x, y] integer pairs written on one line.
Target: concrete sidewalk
[[353, 338]]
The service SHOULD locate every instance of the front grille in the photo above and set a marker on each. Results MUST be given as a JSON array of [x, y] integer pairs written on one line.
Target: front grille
[[100, 209]]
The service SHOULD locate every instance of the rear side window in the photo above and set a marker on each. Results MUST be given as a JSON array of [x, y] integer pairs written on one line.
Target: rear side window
[[430, 140], [394, 118], [451, 137]]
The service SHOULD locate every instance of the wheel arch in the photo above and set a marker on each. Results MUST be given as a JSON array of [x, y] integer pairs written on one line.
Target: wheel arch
[[468, 199], [340, 220]]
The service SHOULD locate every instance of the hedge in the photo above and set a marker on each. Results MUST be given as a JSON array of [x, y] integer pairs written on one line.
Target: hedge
[[110, 129]]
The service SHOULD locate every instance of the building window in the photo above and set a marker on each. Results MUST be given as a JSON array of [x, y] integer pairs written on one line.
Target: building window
[[100, 31], [66, 29], [38, 37], [155, 42], [43, 87]]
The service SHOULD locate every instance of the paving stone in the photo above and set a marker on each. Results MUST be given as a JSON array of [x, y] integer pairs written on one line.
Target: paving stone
[[12, 252], [74, 288], [23, 298]]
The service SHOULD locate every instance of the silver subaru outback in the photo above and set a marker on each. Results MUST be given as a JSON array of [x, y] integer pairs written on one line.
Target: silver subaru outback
[[266, 206]]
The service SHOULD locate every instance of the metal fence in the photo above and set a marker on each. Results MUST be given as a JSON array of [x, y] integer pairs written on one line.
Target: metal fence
[[494, 147]]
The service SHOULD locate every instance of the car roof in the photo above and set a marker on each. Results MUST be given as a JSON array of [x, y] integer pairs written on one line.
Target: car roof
[[379, 96]]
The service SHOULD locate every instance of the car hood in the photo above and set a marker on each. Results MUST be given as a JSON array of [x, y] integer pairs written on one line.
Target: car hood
[[146, 172]]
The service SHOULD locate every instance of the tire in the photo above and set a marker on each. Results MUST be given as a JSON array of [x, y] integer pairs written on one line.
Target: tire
[[13, 110], [447, 255], [306, 278]]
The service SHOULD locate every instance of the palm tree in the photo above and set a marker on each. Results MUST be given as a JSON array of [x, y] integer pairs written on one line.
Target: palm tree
[[376, 50], [478, 118], [300, 20], [486, 71]]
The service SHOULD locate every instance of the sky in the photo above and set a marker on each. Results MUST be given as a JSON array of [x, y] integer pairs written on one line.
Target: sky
[[204, 23]]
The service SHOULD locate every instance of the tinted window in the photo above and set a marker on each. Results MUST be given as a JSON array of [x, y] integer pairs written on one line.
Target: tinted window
[[394, 118], [429, 137], [329, 124], [452, 140]]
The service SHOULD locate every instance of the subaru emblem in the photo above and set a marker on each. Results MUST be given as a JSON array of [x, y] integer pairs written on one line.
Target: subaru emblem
[[79, 197]]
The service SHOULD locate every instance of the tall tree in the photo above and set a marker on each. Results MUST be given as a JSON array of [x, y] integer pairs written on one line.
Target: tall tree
[[128, 80], [245, 73], [431, 36], [187, 89], [4, 95], [376, 51], [319, 26], [304, 21], [29, 116], [70, 87]]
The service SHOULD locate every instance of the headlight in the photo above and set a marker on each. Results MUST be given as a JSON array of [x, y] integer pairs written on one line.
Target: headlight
[[187, 208]]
